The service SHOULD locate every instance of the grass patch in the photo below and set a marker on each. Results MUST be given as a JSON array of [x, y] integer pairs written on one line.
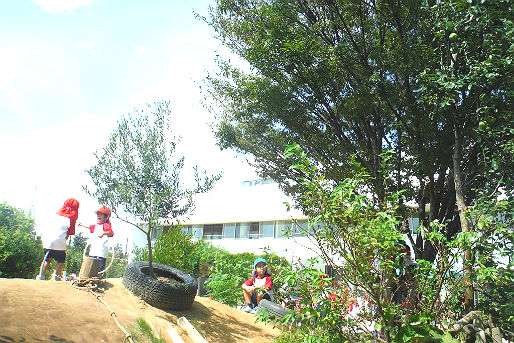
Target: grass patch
[[142, 332]]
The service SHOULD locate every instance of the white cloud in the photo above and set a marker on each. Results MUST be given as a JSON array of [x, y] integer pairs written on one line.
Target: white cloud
[[143, 53], [34, 76], [61, 5], [86, 46], [12, 71]]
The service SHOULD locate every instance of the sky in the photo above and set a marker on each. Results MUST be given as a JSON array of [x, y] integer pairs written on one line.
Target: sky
[[69, 69]]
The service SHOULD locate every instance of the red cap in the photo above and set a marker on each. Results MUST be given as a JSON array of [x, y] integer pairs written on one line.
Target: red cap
[[70, 209], [104, 210]]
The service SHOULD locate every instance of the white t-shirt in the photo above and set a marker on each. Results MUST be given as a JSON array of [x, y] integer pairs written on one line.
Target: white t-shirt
[[99, 246], [55, 238]]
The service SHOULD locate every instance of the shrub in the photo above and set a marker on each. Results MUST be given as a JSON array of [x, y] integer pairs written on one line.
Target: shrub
[[229, 271], [75, 252], [177, 249], [20, 250]]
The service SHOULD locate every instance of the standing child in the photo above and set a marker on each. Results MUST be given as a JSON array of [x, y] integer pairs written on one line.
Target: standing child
[[54, 240], [258, 287], [100, 245]]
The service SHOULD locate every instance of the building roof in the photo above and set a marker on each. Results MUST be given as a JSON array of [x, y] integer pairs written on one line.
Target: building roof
[[247, 201]]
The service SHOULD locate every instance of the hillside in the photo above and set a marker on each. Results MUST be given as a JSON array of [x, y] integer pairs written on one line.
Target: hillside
[[42, 311]]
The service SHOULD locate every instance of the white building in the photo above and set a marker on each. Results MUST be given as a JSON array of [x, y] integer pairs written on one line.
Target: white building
[[247, 217]]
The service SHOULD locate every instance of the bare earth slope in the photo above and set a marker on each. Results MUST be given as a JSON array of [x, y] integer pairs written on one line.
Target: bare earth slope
[[47, 311]]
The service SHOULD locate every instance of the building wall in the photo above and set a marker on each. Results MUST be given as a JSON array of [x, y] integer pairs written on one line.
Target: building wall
[[249, 217]]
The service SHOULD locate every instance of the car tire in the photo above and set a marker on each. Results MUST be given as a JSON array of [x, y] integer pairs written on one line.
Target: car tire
[[273, 309], [178, 295]]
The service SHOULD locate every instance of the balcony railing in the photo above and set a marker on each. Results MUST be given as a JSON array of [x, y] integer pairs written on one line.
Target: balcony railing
[[212, 236]]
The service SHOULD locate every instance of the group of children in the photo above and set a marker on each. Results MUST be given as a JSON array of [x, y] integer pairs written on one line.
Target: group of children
[[54, 239]]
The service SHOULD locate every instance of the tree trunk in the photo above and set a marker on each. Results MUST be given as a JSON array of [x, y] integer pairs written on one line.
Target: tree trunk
[[462, 208], [149, 244]]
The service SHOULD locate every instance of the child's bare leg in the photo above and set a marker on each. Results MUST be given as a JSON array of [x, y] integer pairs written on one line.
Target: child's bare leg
[[247, 296], [259, 297], [58, 268]]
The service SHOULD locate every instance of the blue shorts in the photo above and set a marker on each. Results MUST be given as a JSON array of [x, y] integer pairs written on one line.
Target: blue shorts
[[254, 298], [102, 262], [58, 255]]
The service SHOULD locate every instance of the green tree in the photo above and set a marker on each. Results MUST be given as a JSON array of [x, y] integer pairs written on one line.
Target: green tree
[[136, 176], [466, 87], [352, 79], [338, 78], [358, 237], [119, 264], [74, 254], [21, 250], [12, 217], [174, 248], [229, 271], [493, 256]]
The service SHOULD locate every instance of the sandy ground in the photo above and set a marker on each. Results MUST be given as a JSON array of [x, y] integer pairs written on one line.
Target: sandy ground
[[48, 311]]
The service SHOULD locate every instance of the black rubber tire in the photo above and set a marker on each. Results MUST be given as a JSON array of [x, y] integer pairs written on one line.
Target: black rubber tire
[[274, 309], [176, 296]]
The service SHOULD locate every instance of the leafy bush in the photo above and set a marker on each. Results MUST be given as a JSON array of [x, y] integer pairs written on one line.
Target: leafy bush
[[75, 252], [229, 271], [177, 249], [493, 251], [20, 250], [20, 254], [359, 235]]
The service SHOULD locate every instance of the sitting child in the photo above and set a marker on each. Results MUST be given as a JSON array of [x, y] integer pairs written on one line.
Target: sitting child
[[258, 287]]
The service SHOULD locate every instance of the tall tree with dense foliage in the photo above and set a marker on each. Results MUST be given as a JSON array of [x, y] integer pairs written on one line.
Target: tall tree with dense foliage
[[138, 175], [352, 79], [467, 87], [355, 83], [20, 249]]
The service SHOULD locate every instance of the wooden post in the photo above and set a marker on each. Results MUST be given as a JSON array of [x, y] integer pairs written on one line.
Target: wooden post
[[90, 267], [175, 337], [195, 336]]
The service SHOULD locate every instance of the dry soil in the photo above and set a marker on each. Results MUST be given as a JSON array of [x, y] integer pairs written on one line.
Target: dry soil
[[49, 311]]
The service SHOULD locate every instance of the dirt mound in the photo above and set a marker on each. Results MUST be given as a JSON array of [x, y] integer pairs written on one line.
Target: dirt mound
[[42, 311]]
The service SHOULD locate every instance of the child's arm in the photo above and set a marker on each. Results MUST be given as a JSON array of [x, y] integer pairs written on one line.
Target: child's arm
[[107, 230], [248, 285], [269, 283]]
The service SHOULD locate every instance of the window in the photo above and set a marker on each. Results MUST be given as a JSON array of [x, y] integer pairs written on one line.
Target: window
[[413, 225], [254, 230], [187, 229], [300, 228], [282, 227], [197, 231], [287, 227], [267, 229], [242, 230], [213, 231], [229, 231], [156, 230]]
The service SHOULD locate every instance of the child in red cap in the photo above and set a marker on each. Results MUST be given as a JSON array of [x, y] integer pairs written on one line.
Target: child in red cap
[[99, 245], [54, 241]]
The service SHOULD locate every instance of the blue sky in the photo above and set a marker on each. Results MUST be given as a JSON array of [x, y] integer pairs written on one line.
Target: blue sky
[[69, 69]]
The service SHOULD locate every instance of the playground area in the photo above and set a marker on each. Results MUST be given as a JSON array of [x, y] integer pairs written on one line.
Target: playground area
[[41, 311]]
